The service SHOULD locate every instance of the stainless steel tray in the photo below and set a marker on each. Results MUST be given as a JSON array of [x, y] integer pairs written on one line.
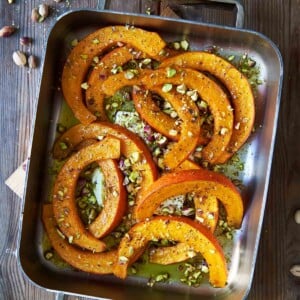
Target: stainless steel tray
[[257, 156]]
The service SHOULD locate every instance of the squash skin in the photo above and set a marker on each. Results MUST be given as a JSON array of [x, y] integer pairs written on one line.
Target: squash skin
[[81, 57], [177, 229], [238, 86], [64, 203], [96, 263], [209, 91], [207, 183], [115, 202], [130, 143]]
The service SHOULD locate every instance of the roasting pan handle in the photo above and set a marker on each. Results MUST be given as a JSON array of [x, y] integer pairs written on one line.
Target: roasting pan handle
[[239, 23]]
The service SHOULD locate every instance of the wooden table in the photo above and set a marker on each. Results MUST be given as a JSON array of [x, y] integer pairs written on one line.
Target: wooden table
[[280, 240]]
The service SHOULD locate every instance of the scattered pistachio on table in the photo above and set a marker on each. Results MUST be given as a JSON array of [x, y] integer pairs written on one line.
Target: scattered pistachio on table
[[32, 62], [43, 11], [7, 31], [25, 40], [19, 58], [35, 15], [297, 216], [295, 270]]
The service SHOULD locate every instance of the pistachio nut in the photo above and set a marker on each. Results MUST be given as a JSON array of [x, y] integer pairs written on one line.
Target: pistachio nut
[[32, 62], [7, 31], [19, 58]]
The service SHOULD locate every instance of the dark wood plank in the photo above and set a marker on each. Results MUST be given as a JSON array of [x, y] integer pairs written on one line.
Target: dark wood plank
[[280, 241]]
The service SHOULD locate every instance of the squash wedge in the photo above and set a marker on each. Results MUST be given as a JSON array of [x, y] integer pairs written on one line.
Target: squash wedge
[[210, 92], [207, 89], [179, 229], [64, 203], [152, 114], [204, 182], [130, 144], [115, 201], [94, 95], [81, 57], [160, 121], [236, 83], [96, 263]]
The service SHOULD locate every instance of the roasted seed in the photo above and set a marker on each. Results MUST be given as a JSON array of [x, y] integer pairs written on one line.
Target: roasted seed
[[297, 216], [32, 62], [7, 31], [25, 40], [19, 58], [295, 270], [35, 15], [43, 10]]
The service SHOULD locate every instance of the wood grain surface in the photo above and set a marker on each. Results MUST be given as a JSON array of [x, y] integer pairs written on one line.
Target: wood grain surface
[[280, 240]]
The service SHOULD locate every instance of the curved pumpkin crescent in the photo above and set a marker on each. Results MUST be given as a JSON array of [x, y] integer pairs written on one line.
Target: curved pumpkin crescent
[[179, 229], [209, 91], [130, 143], [206, 213], [238, 86], [81, 57], [64, 204], [151, 113], [190, 127], [115, 202], [96, 263], [207, 183], [94, 94]]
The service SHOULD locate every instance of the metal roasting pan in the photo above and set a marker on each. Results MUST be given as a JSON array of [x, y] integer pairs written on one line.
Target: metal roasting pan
[[257, 156]]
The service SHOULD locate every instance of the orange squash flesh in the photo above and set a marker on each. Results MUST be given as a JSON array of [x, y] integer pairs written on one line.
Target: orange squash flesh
[[210, 92], [152, 114], [96, 263], [64, 203], [81, 57], [94, 94], [190, 128], [238, 86], [171, 254], [130, 143], [160, 121], [206, 213], [207, 183], [115, 202], [179, 229]]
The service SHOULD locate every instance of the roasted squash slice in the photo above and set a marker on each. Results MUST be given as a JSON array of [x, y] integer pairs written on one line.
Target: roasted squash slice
[[208, 90], [179, 229], [151, 113], [97, 263], [113, 59], [81, 57], [64, 203], [238, 86], [157, 119], [206, 213], [204, 182], [115, 201], [130, 144]]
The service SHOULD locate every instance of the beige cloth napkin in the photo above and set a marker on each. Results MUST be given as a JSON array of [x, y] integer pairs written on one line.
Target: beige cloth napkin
[[16, 181]]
